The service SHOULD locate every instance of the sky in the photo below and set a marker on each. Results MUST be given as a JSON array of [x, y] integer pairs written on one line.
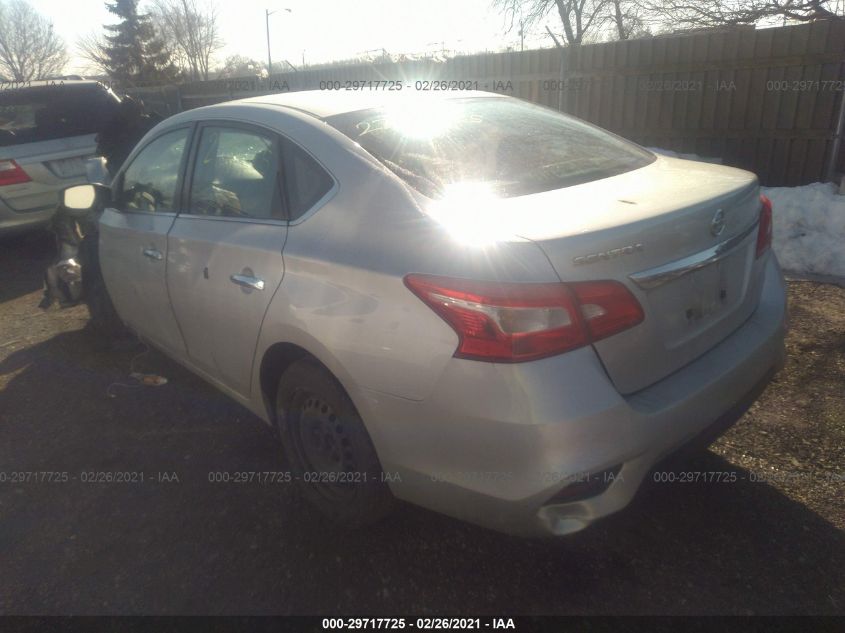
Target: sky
[[323, 31]]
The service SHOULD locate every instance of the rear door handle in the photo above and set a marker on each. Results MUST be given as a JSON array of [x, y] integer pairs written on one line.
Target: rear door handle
[[248, 282], [153, 254]]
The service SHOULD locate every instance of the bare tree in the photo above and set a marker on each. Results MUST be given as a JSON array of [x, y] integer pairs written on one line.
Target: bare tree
[[626, 16], [578, 16], [29, 47], [90, 48], [242, 66], [190, 32], [685, 14]]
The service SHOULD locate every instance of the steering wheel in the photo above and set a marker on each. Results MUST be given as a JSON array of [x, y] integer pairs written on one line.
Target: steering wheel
[[145, 198]]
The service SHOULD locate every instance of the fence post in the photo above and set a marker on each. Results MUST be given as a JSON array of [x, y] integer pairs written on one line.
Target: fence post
[[833, 162], [560, 79]]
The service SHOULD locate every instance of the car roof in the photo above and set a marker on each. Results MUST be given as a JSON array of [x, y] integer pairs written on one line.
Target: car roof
[[326, 103], [45, 83], [83, 86]]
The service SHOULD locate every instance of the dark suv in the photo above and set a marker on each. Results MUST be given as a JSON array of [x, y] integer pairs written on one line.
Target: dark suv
[[47, 132]]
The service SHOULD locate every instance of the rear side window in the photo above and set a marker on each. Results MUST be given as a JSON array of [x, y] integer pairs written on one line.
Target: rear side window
[[43, 113], [305, 180], [510, 147], [236, 175], [149, 183]]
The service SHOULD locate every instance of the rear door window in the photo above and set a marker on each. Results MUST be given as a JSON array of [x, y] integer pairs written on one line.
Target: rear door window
[[236, 175], [306, 182]]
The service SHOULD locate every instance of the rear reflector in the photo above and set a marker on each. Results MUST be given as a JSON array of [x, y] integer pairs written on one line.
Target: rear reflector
[[516, 322], [608, 307], [764, 232], [12, 174]]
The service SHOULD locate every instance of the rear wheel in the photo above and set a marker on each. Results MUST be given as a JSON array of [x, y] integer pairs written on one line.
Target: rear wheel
[[328, 447]]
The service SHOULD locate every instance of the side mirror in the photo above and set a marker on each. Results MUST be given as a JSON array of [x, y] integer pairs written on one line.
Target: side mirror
[[85, 197], [79, 198]]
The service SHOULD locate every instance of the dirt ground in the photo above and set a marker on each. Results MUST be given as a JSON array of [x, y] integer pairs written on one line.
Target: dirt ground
[[770, 542]]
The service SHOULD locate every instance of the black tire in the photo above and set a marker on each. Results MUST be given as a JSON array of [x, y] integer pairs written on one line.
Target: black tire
[[104, 318], [323, 438]]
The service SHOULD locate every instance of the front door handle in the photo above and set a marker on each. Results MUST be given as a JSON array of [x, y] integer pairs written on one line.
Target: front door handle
[[153, 254], [248, 282]]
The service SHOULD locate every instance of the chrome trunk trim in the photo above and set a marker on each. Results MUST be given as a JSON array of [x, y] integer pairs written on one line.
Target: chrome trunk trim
[[654, 277]]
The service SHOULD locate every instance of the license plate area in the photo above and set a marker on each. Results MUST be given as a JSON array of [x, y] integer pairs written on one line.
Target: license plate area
[[689, 305], [707, 293]]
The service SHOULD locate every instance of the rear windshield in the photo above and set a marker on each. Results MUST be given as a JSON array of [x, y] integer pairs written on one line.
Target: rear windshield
[[511, 147], [42, 113]]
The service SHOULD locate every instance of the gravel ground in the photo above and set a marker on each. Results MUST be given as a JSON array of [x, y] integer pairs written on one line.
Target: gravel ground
[[770, 542]]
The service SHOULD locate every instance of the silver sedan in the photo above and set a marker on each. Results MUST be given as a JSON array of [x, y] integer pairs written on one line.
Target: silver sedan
[[464, 301]]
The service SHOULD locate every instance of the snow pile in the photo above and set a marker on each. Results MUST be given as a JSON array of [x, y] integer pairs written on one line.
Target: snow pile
[[809, 231]]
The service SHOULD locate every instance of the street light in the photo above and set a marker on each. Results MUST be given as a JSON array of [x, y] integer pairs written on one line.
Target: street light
[[267, 14]]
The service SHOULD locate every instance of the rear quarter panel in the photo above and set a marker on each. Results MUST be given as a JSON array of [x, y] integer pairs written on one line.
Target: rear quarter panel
[[343, 297]]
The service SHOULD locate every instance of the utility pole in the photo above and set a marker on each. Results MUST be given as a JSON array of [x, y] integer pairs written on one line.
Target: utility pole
[[267, 14]]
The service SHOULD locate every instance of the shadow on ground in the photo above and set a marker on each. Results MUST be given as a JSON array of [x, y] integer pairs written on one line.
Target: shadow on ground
[[23, 259], [194, 546]]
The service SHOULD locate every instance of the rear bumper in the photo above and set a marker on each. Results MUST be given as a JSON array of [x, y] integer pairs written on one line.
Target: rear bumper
[[495, 443], [19, 221]]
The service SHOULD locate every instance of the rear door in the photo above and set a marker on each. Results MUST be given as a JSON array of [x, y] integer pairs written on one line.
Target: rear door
[[133, 237], [247, 183], [226, 248]]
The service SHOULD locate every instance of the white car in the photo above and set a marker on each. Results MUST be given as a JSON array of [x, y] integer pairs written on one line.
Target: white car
[[472, 303]]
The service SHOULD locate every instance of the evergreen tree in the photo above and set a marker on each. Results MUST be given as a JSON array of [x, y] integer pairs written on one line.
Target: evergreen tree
[[133, 54]]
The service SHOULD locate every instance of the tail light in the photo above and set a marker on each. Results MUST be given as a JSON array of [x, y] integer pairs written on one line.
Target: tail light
[[608, 307], [764, 232], [515, 322], [12, 174]]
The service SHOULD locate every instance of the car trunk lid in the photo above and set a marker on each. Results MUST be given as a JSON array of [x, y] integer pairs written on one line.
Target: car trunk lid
[[50, 165], [679, 234]]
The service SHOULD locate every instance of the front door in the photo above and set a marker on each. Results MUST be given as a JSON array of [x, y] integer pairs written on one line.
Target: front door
[[133, 239]]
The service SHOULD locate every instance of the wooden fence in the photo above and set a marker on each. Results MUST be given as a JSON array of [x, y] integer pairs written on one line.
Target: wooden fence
[[768, 100]]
